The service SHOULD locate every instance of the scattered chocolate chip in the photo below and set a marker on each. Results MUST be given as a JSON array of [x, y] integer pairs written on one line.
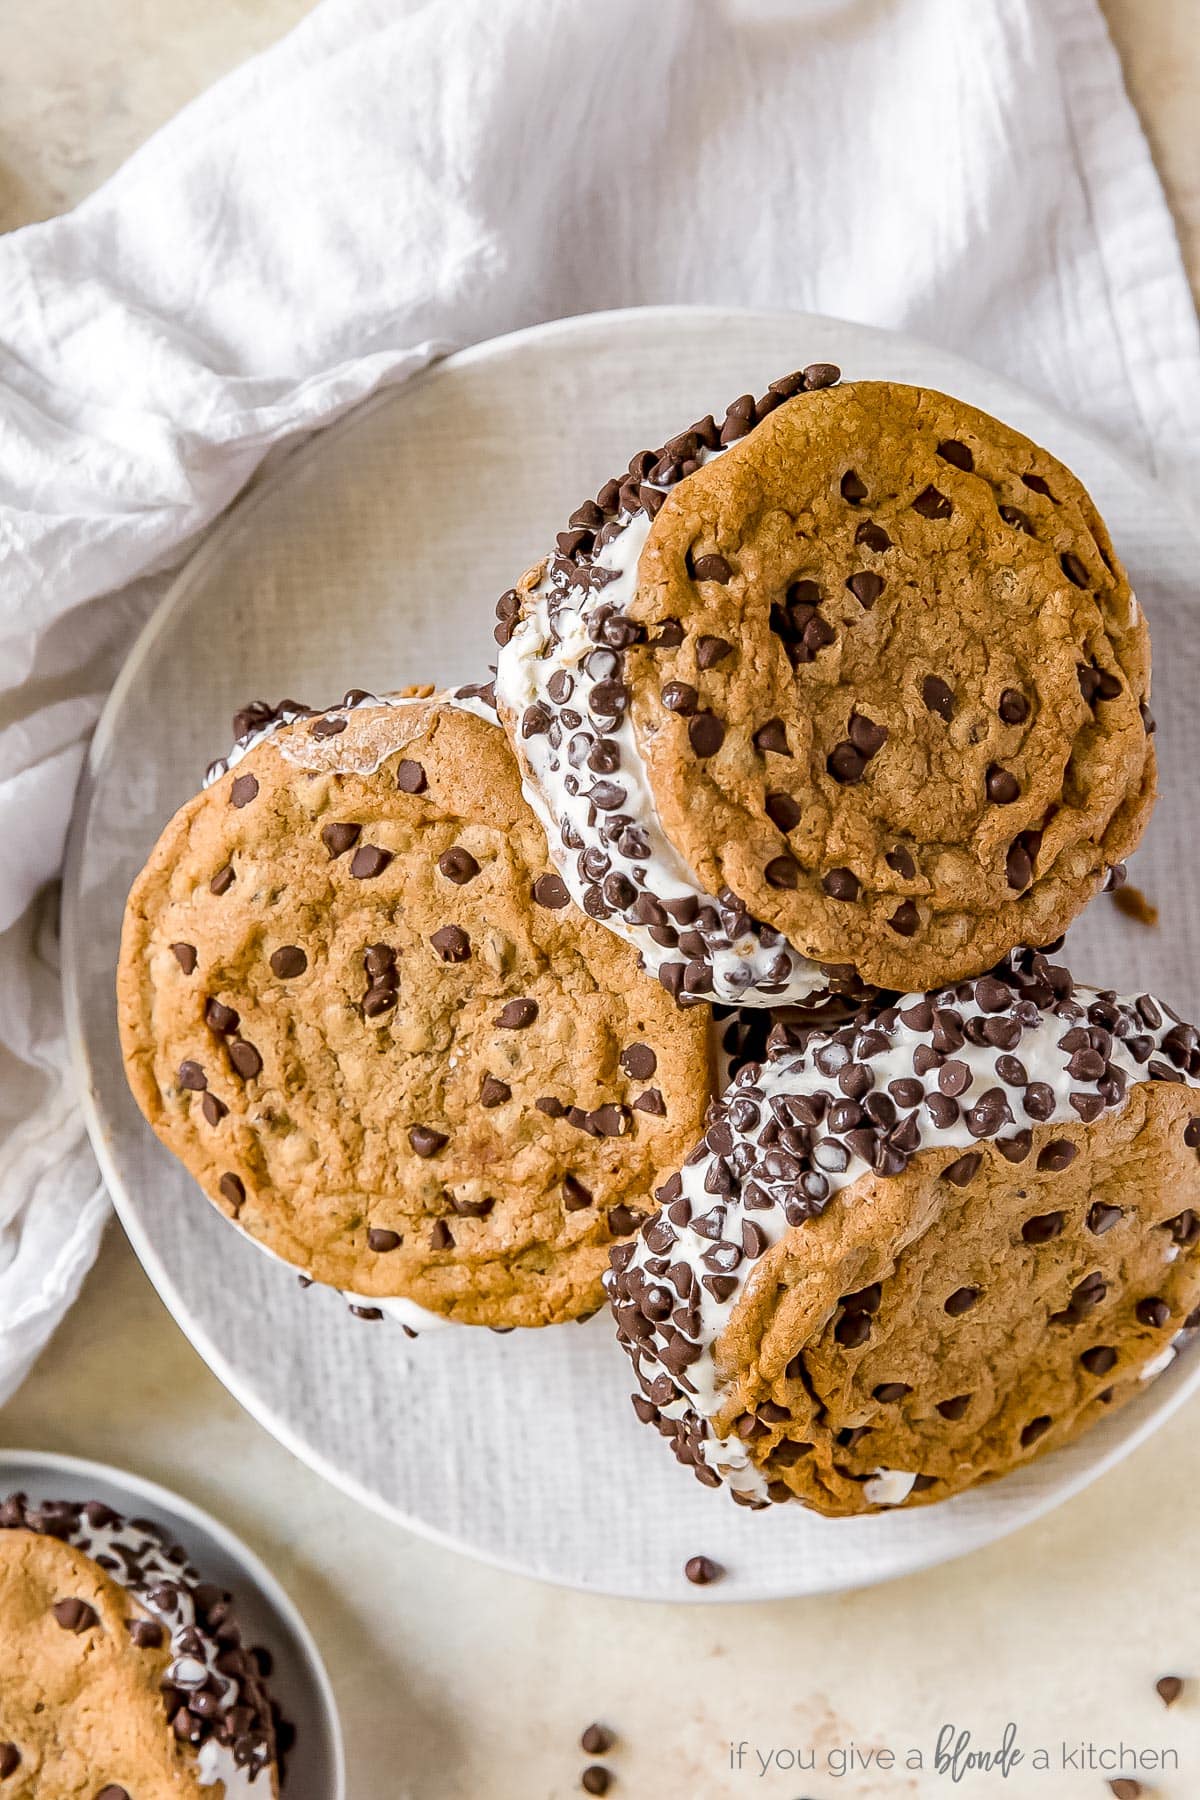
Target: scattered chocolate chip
[[458, 865], [146, 1634], [410, 777], [494, 1092], [288, 961], [932, 504], [192, 1077], [1002, 786], [821, 375], [231, 1188], [550, 891], [75, 1615], [596, 1740], [596, 1779], [245, 1059], [222, 881], [1134, 905], [451, 943], [1013, 707], [219, 1017], [243, 790], [425, 1141], [706, 734], [938, 696], [368, 861], [1168, 1688], [337, 839], [185, 956], [701, 1570], [517, 1015], [214, 1110], [866, 586], [772, 737], [383, 1241], [1123, 1788]]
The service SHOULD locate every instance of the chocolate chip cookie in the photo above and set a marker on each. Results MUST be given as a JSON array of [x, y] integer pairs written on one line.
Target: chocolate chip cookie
[[849, 691], [357, 1002], [914, 1251], [123, 1676]]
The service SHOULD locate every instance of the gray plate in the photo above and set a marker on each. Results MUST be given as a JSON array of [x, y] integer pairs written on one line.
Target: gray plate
[[316, 1769], [370, 558]]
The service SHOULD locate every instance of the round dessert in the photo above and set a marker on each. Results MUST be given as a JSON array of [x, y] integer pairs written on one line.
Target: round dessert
[[124, 1675], [912, 1252], [356, 1002], [848, 692]]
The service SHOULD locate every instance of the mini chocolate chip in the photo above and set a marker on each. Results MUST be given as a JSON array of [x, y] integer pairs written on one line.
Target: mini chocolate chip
[[845, 763], [951, 451], [782, 872], [1013, 707], [783, 811], [517, 1015], [337, 839], [458, 865], [639, 1062], [1002, 786], [550, 891], [1099, 1360], [222, 881], [410, 777], [701, 1570], [288, 961], [494, 1092], [382, 1241], [841, 884], [938, 696], [214, 1110], [961, 1301], [706, 733], [906, 919], [866, 586], [712, 650], [231, 1188], [451, 943], [245, 1059], [75, 1615], [192, 1077], [425, 1141], [772, 736], [932, 504], [1043, 1227], [821, 375], [368, 861], [1152, 1312], [575, 1195], [1035, 1429], [243, 790], [711, 568]]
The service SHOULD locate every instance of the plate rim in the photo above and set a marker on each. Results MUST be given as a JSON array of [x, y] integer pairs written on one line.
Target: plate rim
[[157, 1496], [1173, 1393]]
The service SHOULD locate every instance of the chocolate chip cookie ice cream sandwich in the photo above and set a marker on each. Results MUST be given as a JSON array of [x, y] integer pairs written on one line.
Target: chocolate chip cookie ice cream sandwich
[[358, 1004], [912, 1252], [846, 692], [123, 1674]]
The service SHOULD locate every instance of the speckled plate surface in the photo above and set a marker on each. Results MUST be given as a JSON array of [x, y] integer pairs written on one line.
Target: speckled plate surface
[[316, 1768], [371, 558]]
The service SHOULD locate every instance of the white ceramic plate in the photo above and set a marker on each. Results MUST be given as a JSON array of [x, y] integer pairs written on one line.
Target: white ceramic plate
[[316, 1767], [373, 557]]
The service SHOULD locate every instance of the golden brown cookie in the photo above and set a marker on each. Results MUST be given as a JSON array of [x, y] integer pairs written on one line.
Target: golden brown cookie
[[123, 1675], [851, 690], [357, 1003], [912, 1252]]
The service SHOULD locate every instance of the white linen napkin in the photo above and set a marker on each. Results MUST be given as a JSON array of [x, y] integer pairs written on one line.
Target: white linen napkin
[[402, 176]]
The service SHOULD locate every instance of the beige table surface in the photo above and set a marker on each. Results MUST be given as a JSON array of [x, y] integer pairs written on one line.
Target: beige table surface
[[460, 1683]]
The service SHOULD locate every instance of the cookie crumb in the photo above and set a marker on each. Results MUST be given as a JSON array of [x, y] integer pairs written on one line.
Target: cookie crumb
[[701, 1571], [1169, 1689], [1134, 905]]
